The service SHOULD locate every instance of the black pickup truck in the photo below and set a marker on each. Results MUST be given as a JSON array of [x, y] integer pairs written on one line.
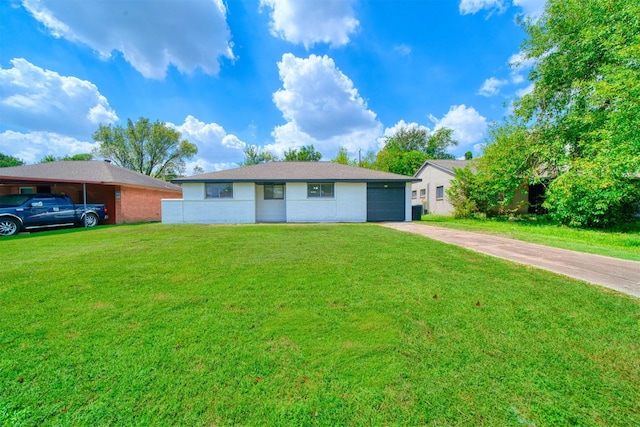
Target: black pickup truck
[[32, 211]]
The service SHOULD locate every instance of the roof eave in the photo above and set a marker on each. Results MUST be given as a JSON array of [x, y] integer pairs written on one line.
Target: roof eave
[[271, 180]]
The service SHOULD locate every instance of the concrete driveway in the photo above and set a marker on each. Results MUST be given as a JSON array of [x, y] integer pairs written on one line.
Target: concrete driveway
[[613, 273]]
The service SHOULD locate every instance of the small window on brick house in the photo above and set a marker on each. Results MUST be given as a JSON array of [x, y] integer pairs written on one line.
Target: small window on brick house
[[440, 192]]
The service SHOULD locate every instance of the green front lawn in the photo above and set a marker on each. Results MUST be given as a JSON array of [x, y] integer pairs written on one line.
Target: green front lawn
[[302, 325], [622, 243]]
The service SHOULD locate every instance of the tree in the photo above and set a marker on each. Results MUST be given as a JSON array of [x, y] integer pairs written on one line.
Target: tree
[[409, 147], [253, 155], [307, 153], [504, 169], [464, 193], [79, 157], [48, 159], [582, 120], [438, 143], [368, 161], [76, 157], [6, 161], [468, 155], [342, 157], [153, 149]]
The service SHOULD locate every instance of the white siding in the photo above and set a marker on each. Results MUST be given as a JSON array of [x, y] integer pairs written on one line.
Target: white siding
[[270, 210], [407, 203], [198, 210], [349, 204], [193, 191], [172, 211], [432, 178]]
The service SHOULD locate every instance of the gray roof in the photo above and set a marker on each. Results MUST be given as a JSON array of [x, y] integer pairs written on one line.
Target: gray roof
[[445, 165], [89, 171], [298, 172]]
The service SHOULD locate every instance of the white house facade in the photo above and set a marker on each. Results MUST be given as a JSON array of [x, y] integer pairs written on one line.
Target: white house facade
[[435, 178], [294, 192], [431, 191]]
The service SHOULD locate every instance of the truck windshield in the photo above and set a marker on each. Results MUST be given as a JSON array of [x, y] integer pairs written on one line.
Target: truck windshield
[[12, 200]]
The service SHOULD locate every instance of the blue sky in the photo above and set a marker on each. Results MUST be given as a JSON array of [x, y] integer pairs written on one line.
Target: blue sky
[[272, 73]]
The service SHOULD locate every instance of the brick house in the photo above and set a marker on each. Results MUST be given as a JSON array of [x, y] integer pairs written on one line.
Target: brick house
[[130, 196]]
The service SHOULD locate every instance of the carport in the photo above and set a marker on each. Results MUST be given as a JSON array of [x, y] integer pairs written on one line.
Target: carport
[[130, 196]]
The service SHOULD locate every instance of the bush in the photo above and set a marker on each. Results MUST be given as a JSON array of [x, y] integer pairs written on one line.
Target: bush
[[463, 194], [587, 197]]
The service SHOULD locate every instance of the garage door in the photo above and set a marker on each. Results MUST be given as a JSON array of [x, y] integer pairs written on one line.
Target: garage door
[[385, 201]]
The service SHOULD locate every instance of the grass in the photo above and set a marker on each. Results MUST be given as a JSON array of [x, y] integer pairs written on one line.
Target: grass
[[620, 243], [302, 325]]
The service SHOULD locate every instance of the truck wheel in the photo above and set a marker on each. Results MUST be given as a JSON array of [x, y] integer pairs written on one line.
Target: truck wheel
[[90, 220], [8, 227]]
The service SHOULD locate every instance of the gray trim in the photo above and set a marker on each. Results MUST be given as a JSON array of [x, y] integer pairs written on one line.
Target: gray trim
[[284, 181], [298, 172], [445, 166]]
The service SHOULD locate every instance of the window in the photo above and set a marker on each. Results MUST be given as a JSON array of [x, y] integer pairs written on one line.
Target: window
[[43, 201], [274, 191], [12, 200], [423, 192], [439, 193], [222, 190], [320, 189], [414, 194]]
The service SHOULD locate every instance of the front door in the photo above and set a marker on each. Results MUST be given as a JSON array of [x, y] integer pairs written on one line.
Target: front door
[[271, 204]]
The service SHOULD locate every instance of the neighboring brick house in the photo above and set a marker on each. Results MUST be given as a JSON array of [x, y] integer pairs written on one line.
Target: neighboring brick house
[[130, 196]]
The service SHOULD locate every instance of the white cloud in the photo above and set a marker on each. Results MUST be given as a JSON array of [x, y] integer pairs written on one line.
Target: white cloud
[[518, 61], [391, 131], [467, 7], [402, 49], [531, 8], [322, 107], [217, 149], [469, 127], [525, 91], [311, 22], [519, 66], [31, 147], [43, 100], [151, 35], [491, 87]]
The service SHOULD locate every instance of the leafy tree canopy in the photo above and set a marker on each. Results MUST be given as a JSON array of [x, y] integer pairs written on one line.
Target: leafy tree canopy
[[307, 153], [6, 160], [579, 129], [149, 148], [409, 147], [51, 158], [342, 157], [254, 155]]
